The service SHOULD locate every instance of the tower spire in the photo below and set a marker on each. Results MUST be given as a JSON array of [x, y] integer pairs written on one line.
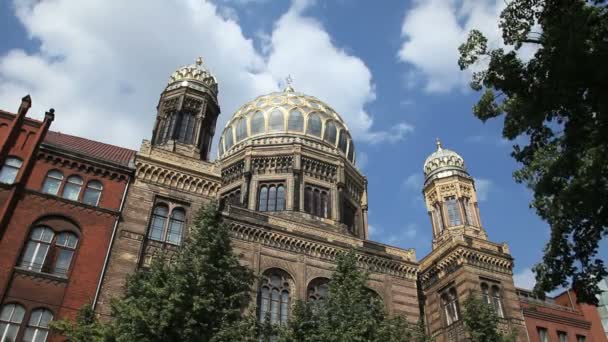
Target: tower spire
[[288, 81], [438, 143]]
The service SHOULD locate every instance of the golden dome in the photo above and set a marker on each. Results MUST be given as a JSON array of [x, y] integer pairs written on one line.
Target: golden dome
[[287, 114], [443, 163], [194, 76]]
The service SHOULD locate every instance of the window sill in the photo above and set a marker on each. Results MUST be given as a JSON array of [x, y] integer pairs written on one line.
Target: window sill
[[50, 276]]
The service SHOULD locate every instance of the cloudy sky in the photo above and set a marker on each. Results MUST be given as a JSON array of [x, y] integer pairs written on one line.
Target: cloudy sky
[[389, 70]]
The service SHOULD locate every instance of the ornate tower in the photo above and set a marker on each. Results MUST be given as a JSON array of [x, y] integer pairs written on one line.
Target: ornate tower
[[463, 261], [187, 112], [451, 200]]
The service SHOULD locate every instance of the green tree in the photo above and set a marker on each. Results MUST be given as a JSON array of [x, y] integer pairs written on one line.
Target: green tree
[[482, 322], [557, 103], [86, 327], [191, 296], [350, 312]]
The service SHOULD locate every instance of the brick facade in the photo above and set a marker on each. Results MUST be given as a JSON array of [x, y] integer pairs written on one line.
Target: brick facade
[[26, 207]]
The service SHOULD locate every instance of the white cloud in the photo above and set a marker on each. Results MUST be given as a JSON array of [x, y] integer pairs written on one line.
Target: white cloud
[[413, 182], [432, 31], [395, 134], [483, 187], [525, 279], [104, 79]]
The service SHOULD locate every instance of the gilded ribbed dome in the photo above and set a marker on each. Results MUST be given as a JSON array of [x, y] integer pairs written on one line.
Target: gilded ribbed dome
[[443, 160], [287, 115], [194, 76]]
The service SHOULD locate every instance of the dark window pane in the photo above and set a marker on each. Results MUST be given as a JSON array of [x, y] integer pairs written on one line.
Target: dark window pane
[[263, 202], [342, 144], [241, 129], [272, 198], [314, 125], [257, 123], [280, 198], [276, 121], [330, 132], [296, 121]]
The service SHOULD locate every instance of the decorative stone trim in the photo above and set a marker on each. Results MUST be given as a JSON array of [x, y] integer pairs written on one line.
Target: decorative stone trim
[[277, 164], [233, 172], [319, 250], [461, 256], [176, 179], [320, 170], [76, 164]]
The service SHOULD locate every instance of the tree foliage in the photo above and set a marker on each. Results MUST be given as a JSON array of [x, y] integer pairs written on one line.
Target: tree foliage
[[557, 102], [482, 322], [350, 312], [85, 328], [189, 297]]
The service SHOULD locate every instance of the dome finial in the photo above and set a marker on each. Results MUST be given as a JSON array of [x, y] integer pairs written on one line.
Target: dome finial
[[288, 81], [199, 61], [438, 142]]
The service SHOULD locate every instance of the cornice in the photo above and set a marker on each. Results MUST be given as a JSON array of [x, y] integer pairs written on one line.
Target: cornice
[[199, 183], [263, 231], [50, 154]]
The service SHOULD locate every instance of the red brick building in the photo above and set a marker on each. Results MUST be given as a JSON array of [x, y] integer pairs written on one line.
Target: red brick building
[[60, 202], [560, 318]]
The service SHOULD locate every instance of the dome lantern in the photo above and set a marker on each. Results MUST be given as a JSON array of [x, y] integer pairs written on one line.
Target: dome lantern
[[195, 76], [443, 163]]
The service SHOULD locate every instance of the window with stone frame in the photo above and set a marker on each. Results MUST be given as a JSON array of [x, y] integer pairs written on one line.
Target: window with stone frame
[[271, 196], [453, 211], [543, 335], [317, 201], [48, 251], [469, 212], [492, 296], [437, 218], [274, 296], [167, 223], [449, 306], [185, 132]]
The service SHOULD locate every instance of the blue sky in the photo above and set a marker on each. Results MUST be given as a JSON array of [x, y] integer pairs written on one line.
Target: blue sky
[[389, 68]]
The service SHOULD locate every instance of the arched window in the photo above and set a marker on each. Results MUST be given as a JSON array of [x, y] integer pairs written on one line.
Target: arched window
[[176, 226], [186, 128], [10, 169], [37, 248], [169, 127], [228, 138], [43, 242], [343, 142], [497, 301], [274, 297], [317, 201], [11, 317], [351, 152], [317, 290], [453, 212], [38, 326], [485, 293], [165, 227], [271, 197], [65, 245], [71, 189], [280, 198], [314, 125], [349, 215], [52, 182], [449, 302], [296, 121], [276, 121], [221, 145], [92, 193], [330, 132], [159, 220], [241, 129], [263, 198], [257, 123]]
